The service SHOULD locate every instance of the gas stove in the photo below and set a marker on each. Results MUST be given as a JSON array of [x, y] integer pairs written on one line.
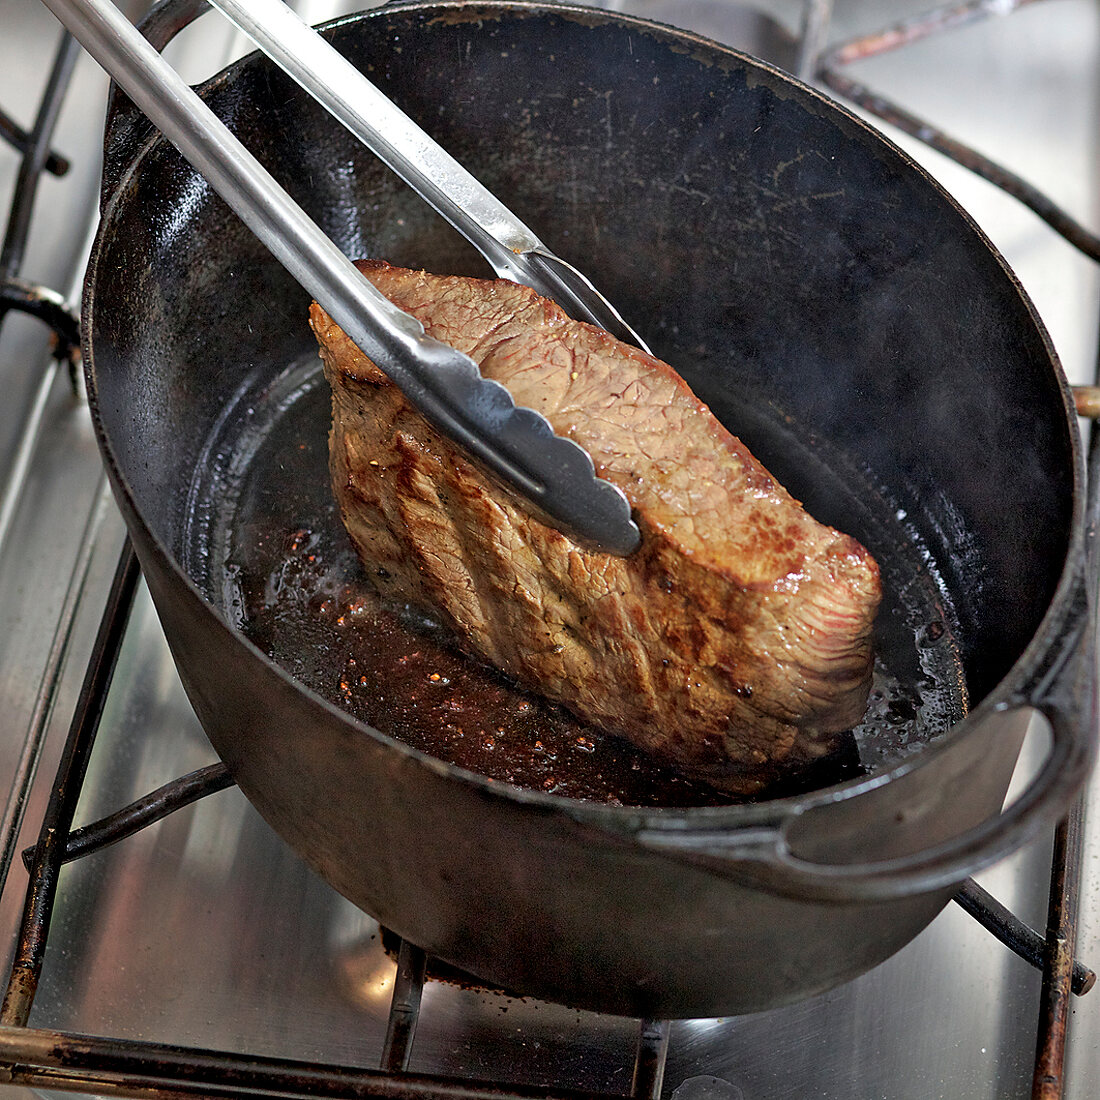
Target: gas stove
[[203, 933]]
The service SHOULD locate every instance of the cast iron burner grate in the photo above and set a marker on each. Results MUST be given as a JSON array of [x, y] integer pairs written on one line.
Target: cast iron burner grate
[[45, 1058]]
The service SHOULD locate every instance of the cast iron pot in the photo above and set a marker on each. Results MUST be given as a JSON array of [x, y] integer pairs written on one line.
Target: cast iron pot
[[830, 303]]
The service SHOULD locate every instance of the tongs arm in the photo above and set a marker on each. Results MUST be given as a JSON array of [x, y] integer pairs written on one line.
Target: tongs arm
[[554, 474], [512, 249]]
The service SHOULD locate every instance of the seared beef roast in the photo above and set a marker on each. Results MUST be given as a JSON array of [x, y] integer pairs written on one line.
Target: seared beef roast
[[732, 644]]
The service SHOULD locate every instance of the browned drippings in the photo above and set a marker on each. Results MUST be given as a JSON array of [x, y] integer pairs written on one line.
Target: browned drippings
[[396, 671]]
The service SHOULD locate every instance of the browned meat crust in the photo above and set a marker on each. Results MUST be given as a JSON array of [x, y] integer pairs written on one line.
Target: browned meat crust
[[732, 644]]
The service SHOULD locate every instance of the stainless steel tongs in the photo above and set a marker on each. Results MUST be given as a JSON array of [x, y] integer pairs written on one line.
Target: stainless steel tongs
[[551, 472]]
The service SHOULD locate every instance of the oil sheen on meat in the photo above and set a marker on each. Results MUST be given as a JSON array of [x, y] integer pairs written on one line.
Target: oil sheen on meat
[[734, 644]]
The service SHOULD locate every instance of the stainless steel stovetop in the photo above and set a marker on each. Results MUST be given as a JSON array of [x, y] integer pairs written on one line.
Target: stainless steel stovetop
[[205, 930]]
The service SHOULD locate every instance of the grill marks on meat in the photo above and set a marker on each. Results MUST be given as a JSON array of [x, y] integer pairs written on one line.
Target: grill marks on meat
[[732, 644]]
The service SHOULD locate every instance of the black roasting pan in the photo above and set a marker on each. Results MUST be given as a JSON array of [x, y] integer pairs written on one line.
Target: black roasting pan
[[835, 308]]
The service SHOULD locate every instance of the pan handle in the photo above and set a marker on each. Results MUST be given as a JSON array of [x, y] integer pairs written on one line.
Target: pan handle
[[762, 857]]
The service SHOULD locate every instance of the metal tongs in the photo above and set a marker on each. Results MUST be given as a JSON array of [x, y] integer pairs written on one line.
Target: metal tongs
[[552, 473]]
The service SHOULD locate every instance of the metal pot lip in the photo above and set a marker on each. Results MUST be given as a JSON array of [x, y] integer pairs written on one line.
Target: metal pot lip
[[1021, 684]]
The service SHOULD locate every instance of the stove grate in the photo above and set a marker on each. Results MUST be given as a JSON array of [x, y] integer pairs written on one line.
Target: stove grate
[[37, 158], [829, 70]]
